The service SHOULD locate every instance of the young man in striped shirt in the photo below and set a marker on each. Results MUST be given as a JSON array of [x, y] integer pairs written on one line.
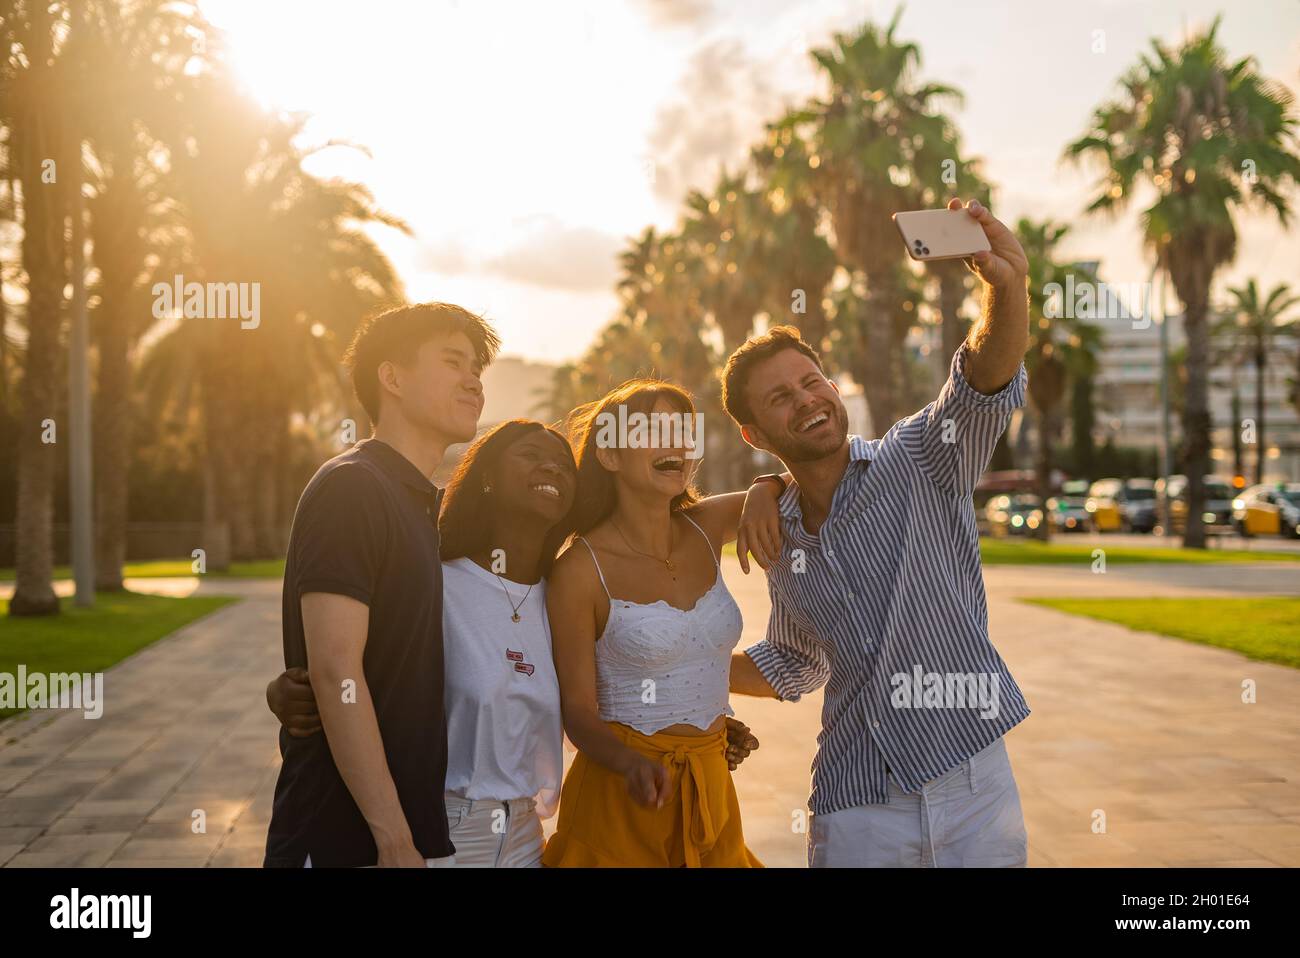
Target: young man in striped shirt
[[877, 592]]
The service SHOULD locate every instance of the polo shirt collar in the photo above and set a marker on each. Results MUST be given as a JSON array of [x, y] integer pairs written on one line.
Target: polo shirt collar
[[860, 450], [398, 466]]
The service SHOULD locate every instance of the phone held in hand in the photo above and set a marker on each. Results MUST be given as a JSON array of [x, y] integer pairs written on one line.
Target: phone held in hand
[[940, 234]]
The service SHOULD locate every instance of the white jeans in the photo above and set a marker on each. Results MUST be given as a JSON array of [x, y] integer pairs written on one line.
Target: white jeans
[[969, 817], [491, 834]]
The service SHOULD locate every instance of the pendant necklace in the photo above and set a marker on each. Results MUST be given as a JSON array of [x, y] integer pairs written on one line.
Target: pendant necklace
[[514, 609], [668, 562]]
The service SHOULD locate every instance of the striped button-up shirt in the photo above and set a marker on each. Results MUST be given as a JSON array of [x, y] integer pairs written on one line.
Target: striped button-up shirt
[[885, 605]]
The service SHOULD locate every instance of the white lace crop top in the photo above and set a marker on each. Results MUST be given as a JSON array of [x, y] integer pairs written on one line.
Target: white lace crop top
[[658, 665]]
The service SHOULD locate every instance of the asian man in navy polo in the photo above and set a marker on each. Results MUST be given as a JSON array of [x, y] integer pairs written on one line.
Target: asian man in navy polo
[[362, 605]]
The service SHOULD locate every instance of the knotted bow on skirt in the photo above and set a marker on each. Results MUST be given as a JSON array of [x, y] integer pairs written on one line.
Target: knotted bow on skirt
[[600, 825]]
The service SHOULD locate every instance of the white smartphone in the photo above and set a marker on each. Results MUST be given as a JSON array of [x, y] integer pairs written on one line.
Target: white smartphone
[[940, 234]]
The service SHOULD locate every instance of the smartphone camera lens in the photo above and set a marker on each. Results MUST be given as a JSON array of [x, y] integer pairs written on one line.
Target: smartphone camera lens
[[925, 251]]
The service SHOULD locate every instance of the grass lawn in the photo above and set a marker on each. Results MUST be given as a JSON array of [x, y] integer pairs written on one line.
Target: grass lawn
[[1021, 552], [90, 640], [181, 568], [1260, 628]]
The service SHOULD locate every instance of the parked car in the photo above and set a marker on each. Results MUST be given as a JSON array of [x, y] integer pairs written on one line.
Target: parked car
[[1138, 505], [1127, 505], [1217, 514], [1268, 510], [1103, 505], [1015, 515], [1068, 513]]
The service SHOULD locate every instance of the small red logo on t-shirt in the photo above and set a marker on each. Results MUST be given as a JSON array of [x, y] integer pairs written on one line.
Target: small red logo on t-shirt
[[520, 664]]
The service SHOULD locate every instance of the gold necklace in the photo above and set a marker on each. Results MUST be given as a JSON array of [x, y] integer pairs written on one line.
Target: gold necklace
[[668, 562], [514, 609]]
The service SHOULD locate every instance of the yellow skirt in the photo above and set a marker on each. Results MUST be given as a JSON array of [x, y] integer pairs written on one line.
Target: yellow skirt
[[698, 827]]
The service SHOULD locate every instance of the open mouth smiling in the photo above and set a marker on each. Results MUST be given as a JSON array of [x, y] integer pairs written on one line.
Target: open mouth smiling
[[546, 489], [811, 423], [669, 464]]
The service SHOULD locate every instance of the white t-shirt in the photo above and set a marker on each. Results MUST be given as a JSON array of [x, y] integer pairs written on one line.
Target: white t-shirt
[[505, 738]]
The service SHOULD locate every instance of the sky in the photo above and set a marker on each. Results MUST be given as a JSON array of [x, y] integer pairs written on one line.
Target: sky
[[524, 143]]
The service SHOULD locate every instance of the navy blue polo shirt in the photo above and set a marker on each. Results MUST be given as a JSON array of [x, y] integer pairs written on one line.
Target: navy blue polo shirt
[[367, 527]]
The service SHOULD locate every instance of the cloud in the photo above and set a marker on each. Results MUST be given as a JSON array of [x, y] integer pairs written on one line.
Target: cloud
[[540, 250], [677, 13], [723, 101]]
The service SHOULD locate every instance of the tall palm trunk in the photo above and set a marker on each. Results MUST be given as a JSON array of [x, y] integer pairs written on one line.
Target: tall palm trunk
[[952, 293], [1261, 447], [1043, 471], [1196, 418], [43, 259], [877, 373], [112, 427]]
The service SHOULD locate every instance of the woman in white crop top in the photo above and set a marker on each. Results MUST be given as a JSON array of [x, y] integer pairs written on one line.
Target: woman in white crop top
[[643, 627]]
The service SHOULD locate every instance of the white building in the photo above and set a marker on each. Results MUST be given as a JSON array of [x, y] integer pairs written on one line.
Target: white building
[[1127, 393]]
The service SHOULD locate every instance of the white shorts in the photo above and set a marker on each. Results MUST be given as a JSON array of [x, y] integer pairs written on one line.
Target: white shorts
[[969, 817], [492, 834]]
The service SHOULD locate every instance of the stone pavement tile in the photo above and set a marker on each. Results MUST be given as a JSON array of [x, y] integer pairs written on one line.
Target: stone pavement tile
[[86, 858], [78, 844], [32, 811], [220, 813], [58, 783], [1260, 839], [177, 853], [112, 807], [238, 857], [1092, 851], [152, 863], [1245, 815], [180, 833], [142, 778], [1200, 848], [68, 825], [114, 743], [10, 834], [8, 851]]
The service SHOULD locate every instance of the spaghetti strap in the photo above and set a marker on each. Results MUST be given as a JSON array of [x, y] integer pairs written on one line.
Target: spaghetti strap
[[707, 542], [597, 564]]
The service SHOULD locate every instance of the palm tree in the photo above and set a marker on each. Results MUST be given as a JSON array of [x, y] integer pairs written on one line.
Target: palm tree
[[1209, 137], [1062, 348], [1256, 324], [252, 215], [135, 54], [795, 253], [864, 142], [33, 78]]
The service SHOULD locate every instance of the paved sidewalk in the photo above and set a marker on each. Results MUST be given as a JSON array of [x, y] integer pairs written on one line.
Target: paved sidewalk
[[1149, 731]]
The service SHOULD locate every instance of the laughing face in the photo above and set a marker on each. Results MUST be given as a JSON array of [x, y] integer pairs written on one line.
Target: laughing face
[[663, 470], [536, 476], [798, 413]]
